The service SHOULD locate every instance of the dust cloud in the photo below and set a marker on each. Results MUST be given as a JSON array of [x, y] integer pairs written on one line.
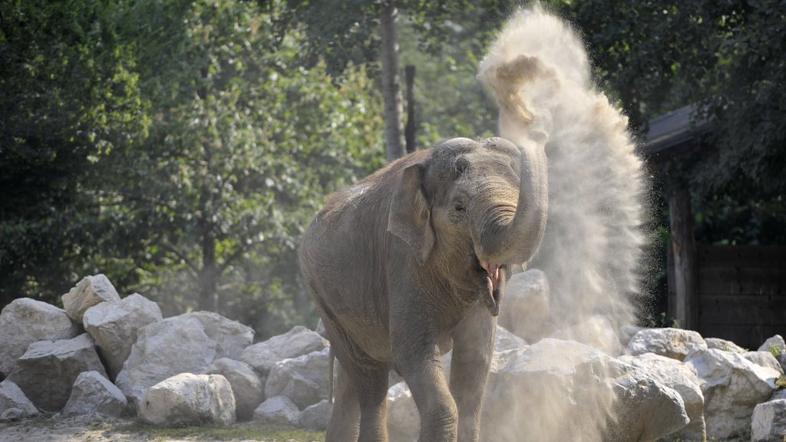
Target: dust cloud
[[593, 246]]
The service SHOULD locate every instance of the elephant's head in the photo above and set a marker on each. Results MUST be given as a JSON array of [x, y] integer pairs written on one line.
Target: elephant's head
[[472, 208]]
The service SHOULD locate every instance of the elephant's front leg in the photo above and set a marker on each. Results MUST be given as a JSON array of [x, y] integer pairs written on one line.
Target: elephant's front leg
[[416, 358], [437, 409], [473, 349]]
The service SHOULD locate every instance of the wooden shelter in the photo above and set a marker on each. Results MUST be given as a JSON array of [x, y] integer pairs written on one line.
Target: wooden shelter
[[733, 292]]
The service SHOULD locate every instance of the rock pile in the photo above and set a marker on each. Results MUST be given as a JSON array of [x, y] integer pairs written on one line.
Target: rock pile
[[107, 356]]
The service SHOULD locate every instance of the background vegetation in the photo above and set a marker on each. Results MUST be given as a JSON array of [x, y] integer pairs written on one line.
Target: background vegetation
[[181, 147]]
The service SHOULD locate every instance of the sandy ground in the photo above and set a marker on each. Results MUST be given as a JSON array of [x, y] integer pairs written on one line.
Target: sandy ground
[[55, 429]]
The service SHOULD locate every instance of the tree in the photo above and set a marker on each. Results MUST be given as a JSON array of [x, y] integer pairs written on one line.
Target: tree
[[242, 146], [68, 93], [728, 58], [391, 88], [197, 149]]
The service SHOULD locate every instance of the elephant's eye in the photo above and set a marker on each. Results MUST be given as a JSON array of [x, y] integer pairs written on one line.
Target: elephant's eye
[[458, 207]]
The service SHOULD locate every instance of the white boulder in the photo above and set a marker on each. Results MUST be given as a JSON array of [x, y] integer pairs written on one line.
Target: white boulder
[[114, 325], [303, 379], [162, 350], [93, 394], [25, 321], [277, 410], [723, 344], [13, 403], [774, 343], [596, 331], [296, 342], [403, 417], [763, 359], [316, 417], [579, 382], [525, 306], [189, 399], [732, 386], [88, 292], [248, 388], [674, 343], [48, 369], [644, 410], [769, 422], [231, 337], [683, 379]]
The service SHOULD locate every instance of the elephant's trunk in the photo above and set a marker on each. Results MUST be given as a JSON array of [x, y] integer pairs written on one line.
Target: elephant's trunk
[[517, 240]]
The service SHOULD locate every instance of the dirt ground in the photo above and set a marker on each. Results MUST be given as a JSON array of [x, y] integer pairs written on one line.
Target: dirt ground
[[56, 429]]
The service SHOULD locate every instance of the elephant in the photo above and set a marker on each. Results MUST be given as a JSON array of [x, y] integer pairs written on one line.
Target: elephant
[[411, 262]]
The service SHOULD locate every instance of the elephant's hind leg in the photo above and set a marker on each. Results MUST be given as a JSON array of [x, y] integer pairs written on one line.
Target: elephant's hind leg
[[359, 413], [345, 421], [372, 395]]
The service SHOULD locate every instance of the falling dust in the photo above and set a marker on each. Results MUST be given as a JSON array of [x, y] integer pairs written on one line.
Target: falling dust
[[592, 249]]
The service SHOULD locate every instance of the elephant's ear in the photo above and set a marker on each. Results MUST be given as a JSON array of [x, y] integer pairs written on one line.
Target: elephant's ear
[[410, 216]]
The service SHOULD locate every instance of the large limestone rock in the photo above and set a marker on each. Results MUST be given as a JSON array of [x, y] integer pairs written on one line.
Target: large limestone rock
[[775, 342], [114, 325], [48, 369], [776, 346], [403, 417], [248, 388], [670, 342], [683, 379], [525, 307], [732, 386], [296, 342], [94, 395], [764, 359], [90, 291], [13, 403], [316, 417], [596, 331], [303, 379], [164, 349], [231, 337], [769, 422], [25, 321], [582, 387], [277, 410], [189, 399], [722, 344], [645, 410]]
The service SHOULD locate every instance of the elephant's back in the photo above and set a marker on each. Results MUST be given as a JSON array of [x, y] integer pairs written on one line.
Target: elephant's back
[[344, 257]]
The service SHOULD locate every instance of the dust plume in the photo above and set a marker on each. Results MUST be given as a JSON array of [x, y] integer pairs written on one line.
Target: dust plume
[[539, 73]]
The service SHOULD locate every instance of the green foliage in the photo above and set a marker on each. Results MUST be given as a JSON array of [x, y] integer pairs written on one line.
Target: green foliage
[[68, 93], [199, 163], [243, 145], [728, 58], [775, 350]]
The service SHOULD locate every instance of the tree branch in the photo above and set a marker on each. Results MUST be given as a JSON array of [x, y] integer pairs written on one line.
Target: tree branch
[[184, 258]]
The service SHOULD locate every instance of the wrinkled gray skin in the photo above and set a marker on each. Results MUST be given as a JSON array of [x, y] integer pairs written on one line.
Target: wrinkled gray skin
[[411, 262]]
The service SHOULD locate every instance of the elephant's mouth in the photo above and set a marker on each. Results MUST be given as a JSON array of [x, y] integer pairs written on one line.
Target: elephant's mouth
[[493, 275]]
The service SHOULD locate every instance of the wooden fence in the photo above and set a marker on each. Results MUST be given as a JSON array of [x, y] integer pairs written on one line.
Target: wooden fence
[[741, 292]]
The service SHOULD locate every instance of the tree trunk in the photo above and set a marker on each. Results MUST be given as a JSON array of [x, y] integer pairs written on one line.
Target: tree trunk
[[208, 276], [684, 256], [409, 129], [390, 82]]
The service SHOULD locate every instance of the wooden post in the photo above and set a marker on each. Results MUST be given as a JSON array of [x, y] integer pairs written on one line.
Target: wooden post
[[684, 257], [390, 91], [409, 129]]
